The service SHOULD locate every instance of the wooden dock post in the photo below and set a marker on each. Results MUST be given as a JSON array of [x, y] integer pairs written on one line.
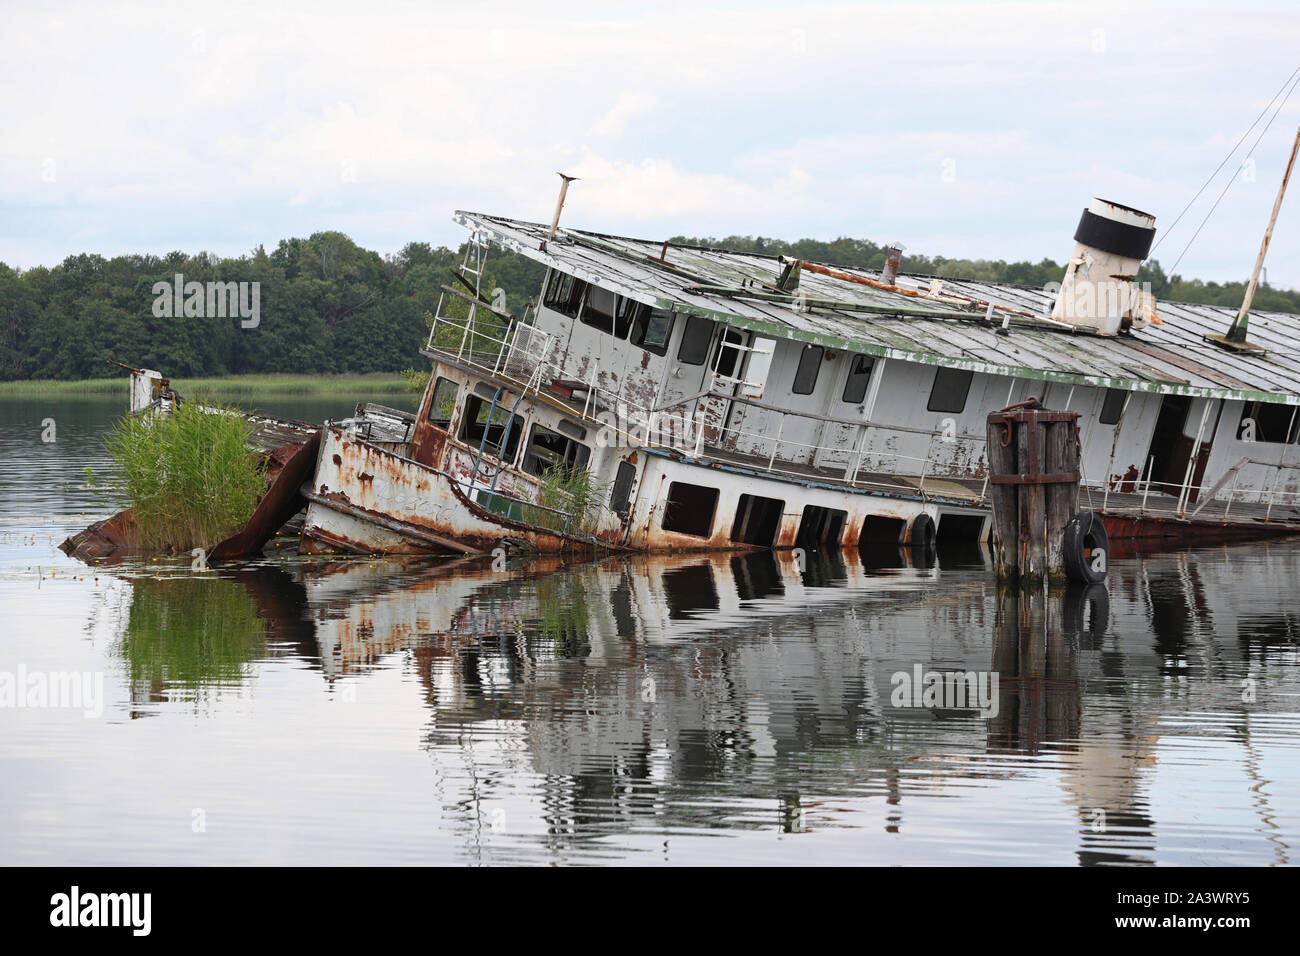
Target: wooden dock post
[[1033, 462]]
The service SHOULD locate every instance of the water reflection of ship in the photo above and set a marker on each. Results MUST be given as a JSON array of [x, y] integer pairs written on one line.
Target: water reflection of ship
[[629, 680], [723, 713], [360, 613]]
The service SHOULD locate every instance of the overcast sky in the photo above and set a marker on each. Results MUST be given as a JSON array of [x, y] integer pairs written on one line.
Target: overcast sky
[[967, 129]]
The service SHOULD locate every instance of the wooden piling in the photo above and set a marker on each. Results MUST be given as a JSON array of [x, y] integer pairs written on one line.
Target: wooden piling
[[1034, 480]]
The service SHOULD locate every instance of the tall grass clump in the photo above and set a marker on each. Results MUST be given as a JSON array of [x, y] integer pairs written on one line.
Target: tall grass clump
[[189, 476], [572, 490]]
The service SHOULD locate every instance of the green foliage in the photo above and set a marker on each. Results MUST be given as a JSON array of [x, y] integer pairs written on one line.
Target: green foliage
[[189, 476], [571, 490], [327, 306], [252, 387], [416, 379], [564, 614]]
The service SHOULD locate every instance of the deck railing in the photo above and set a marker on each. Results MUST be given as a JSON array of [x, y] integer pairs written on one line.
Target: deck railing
[[1223, 499], [498, 344], [518, 353]]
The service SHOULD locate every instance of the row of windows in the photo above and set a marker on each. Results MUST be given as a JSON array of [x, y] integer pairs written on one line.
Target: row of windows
[[694, 349], [613, 314], [1266, 422], [491, 428], [949, 392], [496, 430], [692, 509]]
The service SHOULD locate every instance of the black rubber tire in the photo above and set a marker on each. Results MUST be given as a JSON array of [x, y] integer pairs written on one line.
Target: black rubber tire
[[1085, 532], [924, 532]]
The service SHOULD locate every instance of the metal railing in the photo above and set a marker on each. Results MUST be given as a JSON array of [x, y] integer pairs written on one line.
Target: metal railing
[[501, 345], [519, 354], [839, 462], [1223, 499]]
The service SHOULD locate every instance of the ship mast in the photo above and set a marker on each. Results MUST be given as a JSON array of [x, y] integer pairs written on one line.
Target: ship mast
[[1236, 337]]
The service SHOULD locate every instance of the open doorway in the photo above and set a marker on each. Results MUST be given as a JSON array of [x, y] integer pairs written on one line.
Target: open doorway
[[1170, 448]]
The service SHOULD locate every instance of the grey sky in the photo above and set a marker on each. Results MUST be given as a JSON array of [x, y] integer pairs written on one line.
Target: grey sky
[[964, 129]]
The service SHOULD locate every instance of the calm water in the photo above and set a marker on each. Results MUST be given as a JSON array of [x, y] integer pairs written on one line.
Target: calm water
[[683, 710]]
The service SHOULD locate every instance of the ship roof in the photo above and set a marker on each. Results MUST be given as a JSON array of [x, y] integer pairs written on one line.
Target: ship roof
[[837, 312]]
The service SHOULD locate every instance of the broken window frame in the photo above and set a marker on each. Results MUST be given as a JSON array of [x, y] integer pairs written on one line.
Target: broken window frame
[[857, 377], [597, 318], [567, 452], [564, 293], [436, 400], [500, 417], [641, 328], [1287, 421], [626, 313]]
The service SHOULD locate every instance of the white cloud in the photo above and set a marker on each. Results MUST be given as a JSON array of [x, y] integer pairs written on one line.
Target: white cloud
[[630, 106], [227, 126]]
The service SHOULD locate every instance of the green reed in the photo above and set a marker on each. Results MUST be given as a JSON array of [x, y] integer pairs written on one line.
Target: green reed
[[572, 490], [189, 476]]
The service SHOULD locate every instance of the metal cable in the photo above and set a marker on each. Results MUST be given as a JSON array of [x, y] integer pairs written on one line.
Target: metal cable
[[1179, 217], [1232, 180]]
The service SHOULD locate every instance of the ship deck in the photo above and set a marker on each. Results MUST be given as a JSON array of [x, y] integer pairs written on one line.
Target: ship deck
[[1133, 513], [1158, 514]]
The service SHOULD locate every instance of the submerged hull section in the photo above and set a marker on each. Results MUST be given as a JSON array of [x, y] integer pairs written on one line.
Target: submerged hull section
[[365, 499]]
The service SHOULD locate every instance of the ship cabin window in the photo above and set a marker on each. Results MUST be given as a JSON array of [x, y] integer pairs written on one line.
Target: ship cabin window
[[548, 449], [443, 405], [598, 309], [625, 316], [494, 429], [1112, 406], [694, 348], [951, 387], [1269, 422], [805, 376], [855, 386], [563, 293], [689, 509], [621, 495], [726, 356], [820, 527], [651, 328], [757, 520], [613, 314], [878, 530]]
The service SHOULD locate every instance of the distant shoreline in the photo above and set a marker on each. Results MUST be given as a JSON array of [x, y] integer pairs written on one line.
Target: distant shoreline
[[378, 383]]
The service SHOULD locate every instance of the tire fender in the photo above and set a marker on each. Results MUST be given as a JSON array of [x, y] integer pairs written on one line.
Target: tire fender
[[1085, 548]]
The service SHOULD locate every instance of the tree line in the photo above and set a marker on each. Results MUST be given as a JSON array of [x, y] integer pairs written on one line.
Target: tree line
[[864, 254], [328, 305]]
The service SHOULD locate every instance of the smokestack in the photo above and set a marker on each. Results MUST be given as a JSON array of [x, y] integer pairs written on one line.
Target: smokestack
[[1099, 290], [559, 205], [893, 256]]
